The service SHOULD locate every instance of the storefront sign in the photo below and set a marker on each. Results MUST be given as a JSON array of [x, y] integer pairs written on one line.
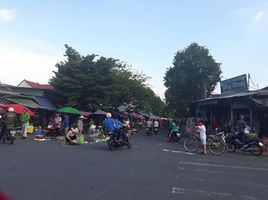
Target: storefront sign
[[234, 85]]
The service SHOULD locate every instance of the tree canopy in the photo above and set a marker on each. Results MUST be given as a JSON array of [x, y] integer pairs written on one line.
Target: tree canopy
[[193, 76], [91, 82]]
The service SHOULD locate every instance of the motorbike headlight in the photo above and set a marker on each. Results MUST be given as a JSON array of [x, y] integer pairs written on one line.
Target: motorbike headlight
[[261, 144]]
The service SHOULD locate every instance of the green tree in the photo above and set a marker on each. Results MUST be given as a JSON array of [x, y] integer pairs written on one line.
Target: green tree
[[194, 74], [93, 82]]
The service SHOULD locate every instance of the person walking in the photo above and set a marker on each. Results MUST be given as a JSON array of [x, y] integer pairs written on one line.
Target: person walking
[[24, 119]]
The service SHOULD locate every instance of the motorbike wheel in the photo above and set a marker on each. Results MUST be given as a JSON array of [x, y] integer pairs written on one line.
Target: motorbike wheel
[[230, 147], [255, 150], [11, 140], [111, 144], [128, 143]]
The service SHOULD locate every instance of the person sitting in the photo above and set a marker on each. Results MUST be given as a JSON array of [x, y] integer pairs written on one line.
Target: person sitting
[[71, 136], [119, 129]]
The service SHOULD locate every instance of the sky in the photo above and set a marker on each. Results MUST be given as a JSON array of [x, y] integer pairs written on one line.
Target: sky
[[143, 33]]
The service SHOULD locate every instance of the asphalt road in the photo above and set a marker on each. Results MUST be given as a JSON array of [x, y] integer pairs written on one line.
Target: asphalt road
[[153, 170]]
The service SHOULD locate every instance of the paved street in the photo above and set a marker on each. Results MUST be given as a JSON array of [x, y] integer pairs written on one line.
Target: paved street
[[153, 170]]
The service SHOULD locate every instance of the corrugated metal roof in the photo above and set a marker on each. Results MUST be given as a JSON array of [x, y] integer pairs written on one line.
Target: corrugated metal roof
[[241, 94]]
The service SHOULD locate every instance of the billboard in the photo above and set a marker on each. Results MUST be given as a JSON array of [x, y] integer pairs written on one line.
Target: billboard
[[234, 85]]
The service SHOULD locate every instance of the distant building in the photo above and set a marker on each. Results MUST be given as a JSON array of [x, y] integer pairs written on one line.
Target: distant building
[[35, 85]]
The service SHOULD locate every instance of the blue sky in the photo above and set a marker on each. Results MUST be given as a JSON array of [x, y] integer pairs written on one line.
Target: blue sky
[[144, 34]]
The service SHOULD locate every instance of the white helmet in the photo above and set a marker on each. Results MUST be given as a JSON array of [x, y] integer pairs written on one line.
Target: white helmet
[[108, 115], [10, 109]]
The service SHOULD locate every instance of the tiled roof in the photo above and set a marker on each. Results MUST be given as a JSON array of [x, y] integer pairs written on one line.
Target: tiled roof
[[39, 86]]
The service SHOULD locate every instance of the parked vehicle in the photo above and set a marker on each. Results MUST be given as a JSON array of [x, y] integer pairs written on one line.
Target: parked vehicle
[[115, 140], [51, 130], [253, 146]]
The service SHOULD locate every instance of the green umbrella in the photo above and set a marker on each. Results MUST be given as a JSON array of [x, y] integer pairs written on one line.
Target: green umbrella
[[69, 110]]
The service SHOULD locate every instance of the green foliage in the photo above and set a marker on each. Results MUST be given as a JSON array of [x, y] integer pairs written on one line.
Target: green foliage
[[194, 70], [91, 82]]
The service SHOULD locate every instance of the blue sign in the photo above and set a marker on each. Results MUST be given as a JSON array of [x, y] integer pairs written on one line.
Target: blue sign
[[234, 85]]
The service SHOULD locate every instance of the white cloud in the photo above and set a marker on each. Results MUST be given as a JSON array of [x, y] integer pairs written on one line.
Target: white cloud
[[7, 15], [18, 64], [259, 15]]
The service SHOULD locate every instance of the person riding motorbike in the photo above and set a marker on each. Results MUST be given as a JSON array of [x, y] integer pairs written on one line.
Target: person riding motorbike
[[9, 121], [118, 129], [173, 129]]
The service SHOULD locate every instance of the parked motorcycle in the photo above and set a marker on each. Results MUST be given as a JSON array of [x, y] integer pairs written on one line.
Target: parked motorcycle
[[252, 146], [116, 140], [51, 130]]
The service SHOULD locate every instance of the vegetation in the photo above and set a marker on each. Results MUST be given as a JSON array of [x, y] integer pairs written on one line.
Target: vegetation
[[194, 75], [91, 82]]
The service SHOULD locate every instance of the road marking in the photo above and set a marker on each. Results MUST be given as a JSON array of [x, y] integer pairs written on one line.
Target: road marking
[[172, 151], [176, 190], [224, 166]]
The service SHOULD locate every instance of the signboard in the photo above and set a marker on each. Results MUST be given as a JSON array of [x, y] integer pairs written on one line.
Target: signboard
[[234, 85]]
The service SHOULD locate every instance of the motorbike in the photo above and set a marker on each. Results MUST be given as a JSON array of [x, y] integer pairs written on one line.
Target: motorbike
[[51, 130], [149, 131], [253, 146], [155, 130], [116, 140], [175, 136]]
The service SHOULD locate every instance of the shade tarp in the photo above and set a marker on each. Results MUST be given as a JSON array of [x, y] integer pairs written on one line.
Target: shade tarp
[[45, 103], [26, 102], [69, 110]]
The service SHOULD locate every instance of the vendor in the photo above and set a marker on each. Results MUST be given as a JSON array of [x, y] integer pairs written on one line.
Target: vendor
[[71, 136]]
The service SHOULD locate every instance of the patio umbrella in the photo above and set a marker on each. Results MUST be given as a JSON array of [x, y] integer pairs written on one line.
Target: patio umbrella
[[99, 112], [69, 110], [18, 108]]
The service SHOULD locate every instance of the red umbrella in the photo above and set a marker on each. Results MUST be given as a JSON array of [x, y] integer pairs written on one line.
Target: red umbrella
[[3, 106], [18, 108]]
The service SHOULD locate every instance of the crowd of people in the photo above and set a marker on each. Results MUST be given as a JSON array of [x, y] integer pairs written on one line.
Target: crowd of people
[[73, 132]]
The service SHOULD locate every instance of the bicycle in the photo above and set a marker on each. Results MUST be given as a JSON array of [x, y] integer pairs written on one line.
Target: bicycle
[[216, 144]]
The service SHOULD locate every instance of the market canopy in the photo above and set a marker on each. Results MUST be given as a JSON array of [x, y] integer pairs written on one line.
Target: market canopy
[[69, 110], [18, 108], [26, 102], [45, 103]]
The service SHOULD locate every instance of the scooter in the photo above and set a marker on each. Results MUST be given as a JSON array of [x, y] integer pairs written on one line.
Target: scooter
[[116, 140], [175, 136], [252, 146]]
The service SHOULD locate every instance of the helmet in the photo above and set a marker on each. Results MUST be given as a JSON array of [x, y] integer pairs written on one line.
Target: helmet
[[10, 109], [108, 115]]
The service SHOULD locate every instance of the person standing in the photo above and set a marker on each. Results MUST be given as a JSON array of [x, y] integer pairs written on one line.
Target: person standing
[[80, 124], [241, 125], [201, 129], [66, 123], [24, 119], [57, 123]]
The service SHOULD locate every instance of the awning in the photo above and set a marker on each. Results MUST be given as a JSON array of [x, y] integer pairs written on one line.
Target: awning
[[26, 102], [45, 103]]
